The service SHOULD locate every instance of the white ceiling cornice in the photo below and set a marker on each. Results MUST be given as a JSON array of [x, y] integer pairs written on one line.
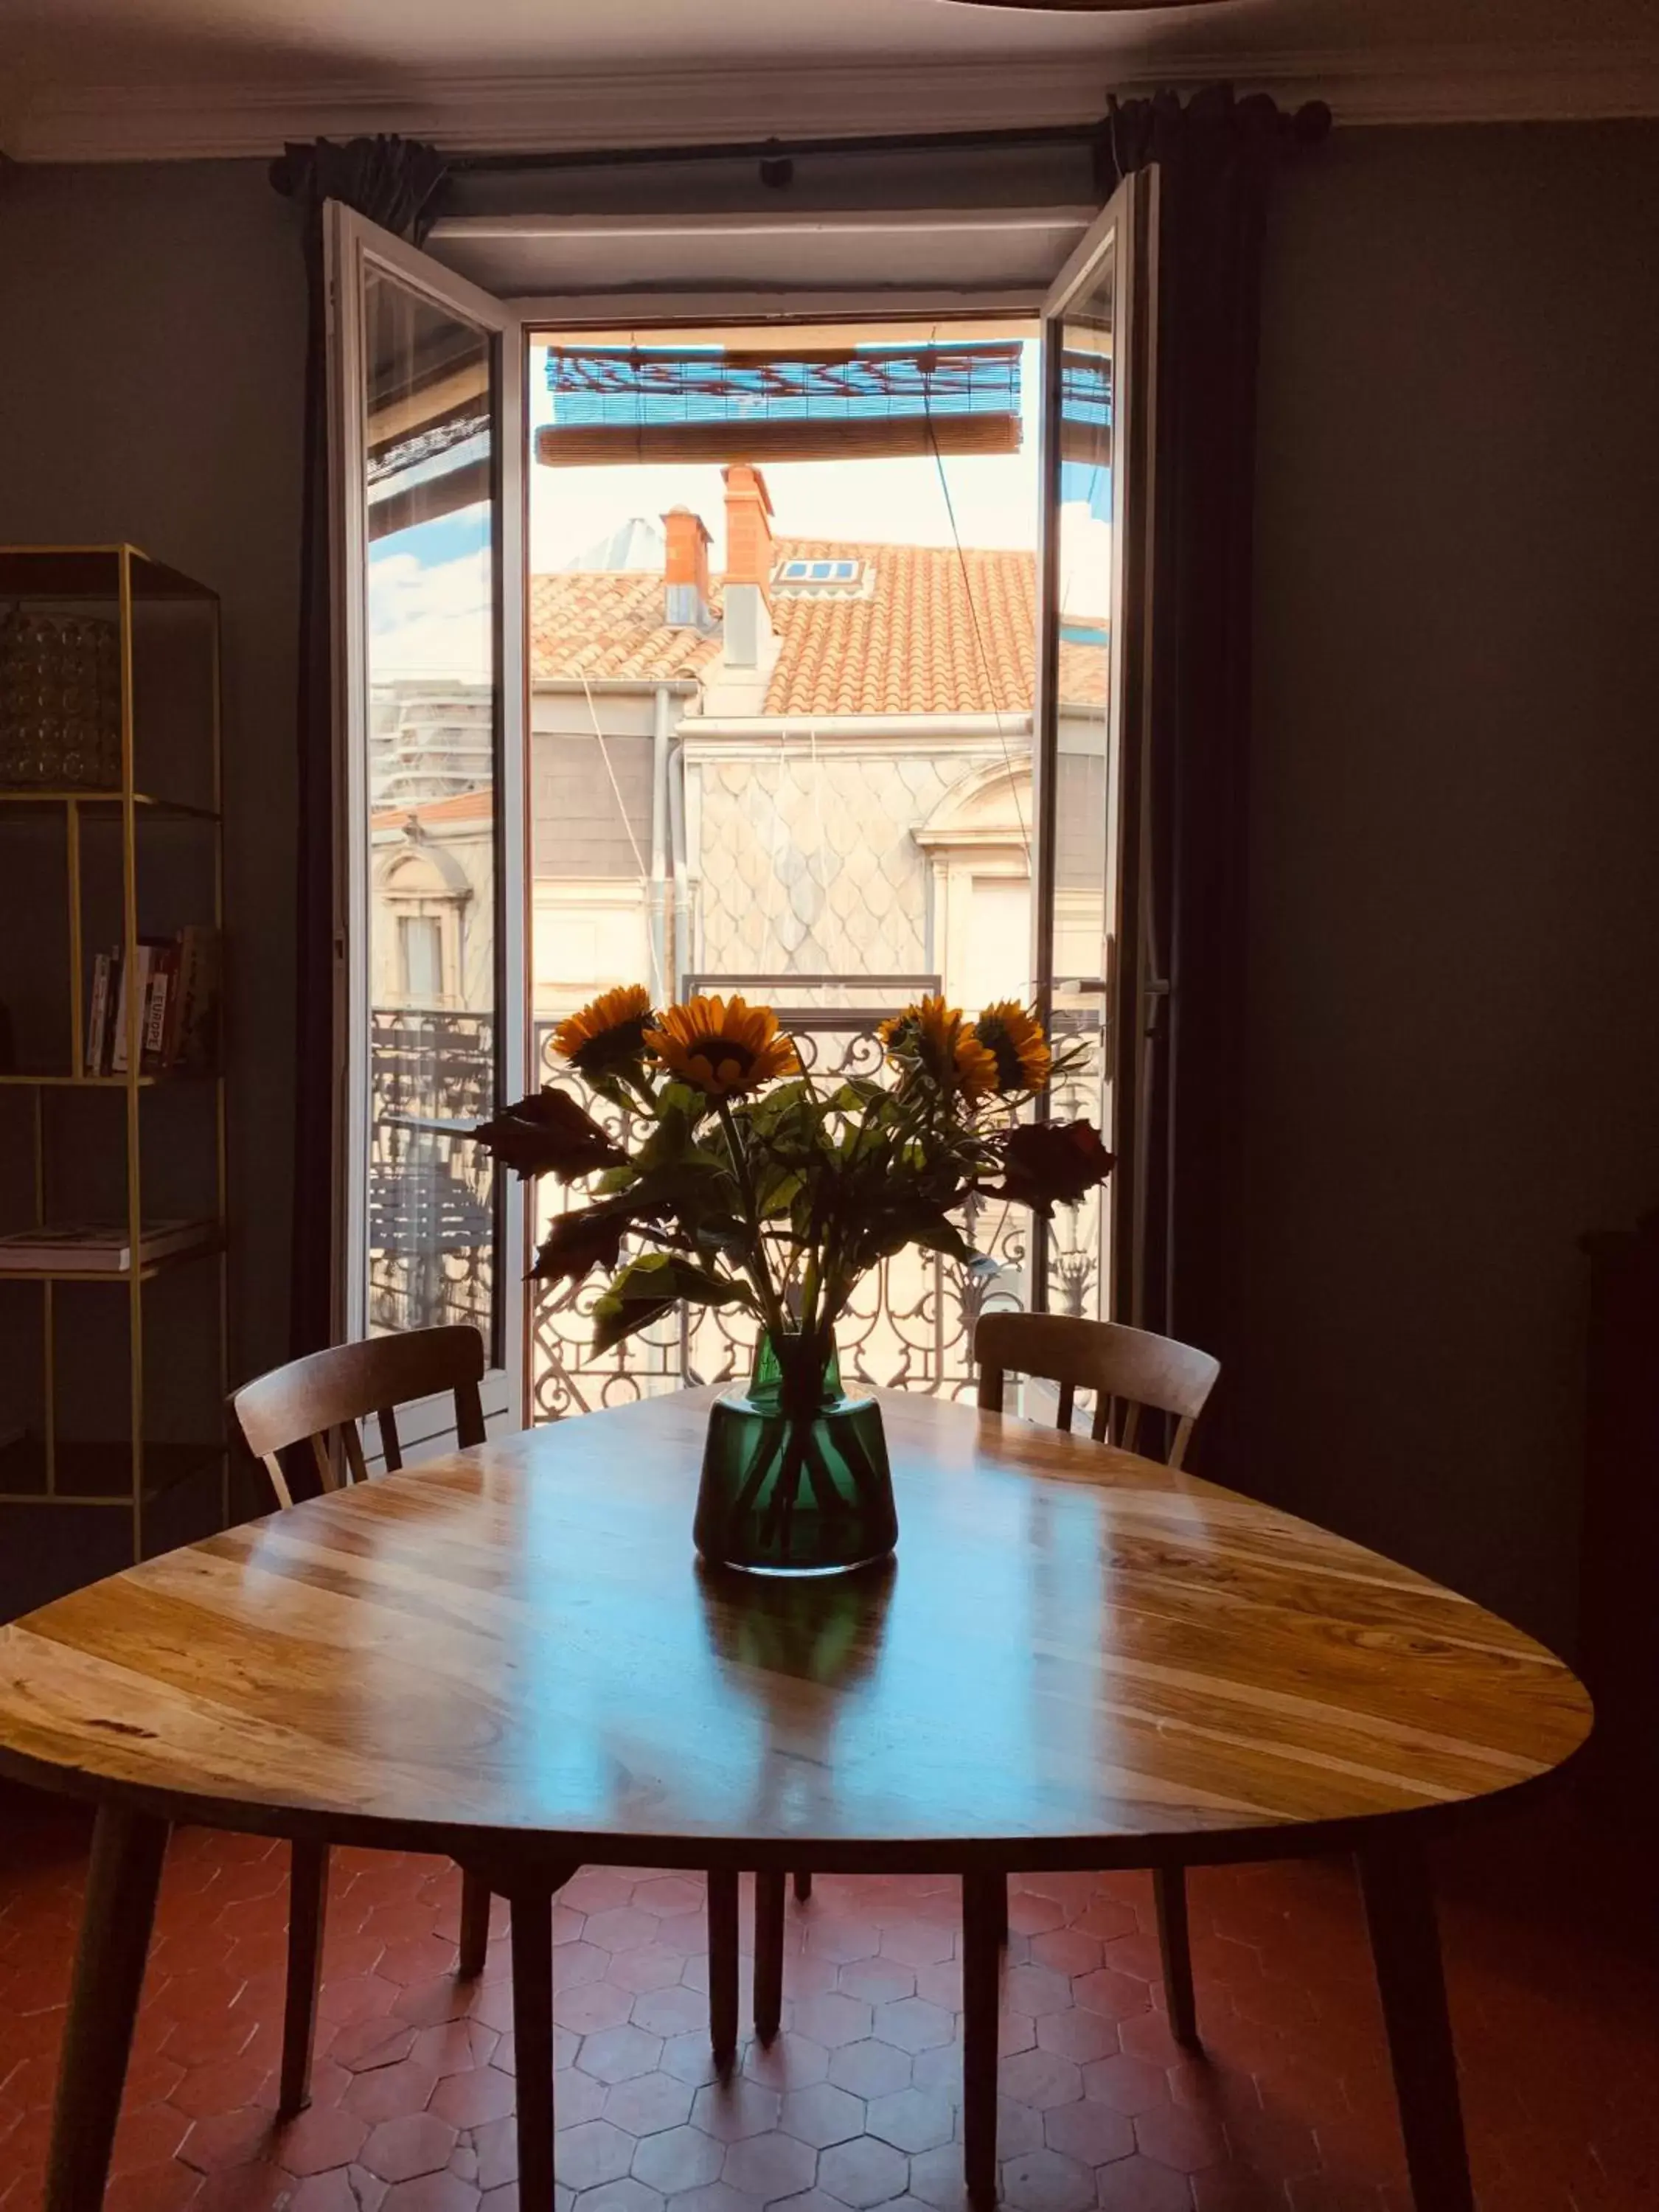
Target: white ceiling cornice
[[688, 106]]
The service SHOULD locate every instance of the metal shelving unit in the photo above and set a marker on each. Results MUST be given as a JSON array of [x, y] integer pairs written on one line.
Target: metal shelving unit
[[170, 786]]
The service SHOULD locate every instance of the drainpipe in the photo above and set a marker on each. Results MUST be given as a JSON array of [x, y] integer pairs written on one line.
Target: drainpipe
[[657, 894], [681, 872]]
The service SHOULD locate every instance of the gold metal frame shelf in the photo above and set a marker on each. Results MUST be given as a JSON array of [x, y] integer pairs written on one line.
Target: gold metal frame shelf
[[122, 1476]]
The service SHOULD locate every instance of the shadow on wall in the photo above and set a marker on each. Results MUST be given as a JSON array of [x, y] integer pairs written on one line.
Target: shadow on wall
[[151, 388], [1455, 928]]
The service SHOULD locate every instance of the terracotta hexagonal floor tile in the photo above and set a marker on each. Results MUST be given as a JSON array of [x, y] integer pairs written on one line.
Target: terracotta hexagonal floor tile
[[713, 2197], [402, 2149], [790, 2060], [616, 2054], [678, 2160], [321, 2136], [1040, 2079], [453, 2046], [623, 1927], [1078, 2034], [1046, 2181], [838, 1937], [223, 2140], [863, 2172], [360, 2045], [168, 2187], [912, 2119], [1141, 2185], [770, 2166], [592, 2009], [913, 2024], [870, 2067], [822, 2114], [627, 2195], [648, 2104], [833, 2019], [593, 2152], [876, 1981], [432, 2193], [1093, 2134], [1179, 2136], [386, 2093], [672, 2011], [469, 2099], [735, 2108]]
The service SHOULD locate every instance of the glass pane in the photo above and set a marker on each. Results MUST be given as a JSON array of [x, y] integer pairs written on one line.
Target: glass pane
[[432, 720], [781, 740], [1085, 829]]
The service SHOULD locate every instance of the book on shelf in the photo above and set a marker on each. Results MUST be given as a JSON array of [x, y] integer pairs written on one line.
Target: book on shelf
[[176, 981], [97, 1247]]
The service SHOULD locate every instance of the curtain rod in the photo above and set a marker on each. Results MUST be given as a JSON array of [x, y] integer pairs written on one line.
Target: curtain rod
[[784, 151]]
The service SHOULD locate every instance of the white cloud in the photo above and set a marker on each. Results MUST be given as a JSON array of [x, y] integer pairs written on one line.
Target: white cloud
[[431, 620]]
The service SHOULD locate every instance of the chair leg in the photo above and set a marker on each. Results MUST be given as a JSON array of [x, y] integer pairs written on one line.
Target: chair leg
[[1170, 1890], [1393, 1879], [769, 1955], [984, 1908], [803, 1885], [308, 1910], [475, 1926], [723, 1963]]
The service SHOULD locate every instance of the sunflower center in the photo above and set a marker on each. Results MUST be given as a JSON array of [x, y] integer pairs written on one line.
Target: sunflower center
[[716, 1049], [1006, 1054]]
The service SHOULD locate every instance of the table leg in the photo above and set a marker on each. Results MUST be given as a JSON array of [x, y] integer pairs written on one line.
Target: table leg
[[127, 1850], [1169, 1895], [533, 2035], [308, 1909], [475, 1926], [984, 1916], [769, 1955], [723, 1963], [803, 1885], [1406, 1945]]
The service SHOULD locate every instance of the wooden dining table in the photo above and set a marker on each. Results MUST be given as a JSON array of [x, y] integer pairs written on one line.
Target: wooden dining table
[[1077, 1659]]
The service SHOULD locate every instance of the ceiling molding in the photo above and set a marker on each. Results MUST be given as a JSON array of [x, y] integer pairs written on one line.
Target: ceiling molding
[[688, 106]]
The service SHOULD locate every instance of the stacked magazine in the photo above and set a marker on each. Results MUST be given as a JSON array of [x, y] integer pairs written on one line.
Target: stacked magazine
[[176, 982]]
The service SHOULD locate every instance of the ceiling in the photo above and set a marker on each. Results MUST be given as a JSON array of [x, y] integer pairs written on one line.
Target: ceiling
[[115, 79]]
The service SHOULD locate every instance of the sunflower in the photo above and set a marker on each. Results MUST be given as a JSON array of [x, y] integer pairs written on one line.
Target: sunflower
[[1014, 1040], [725, 1049], [932, 1039], [607, 1033]]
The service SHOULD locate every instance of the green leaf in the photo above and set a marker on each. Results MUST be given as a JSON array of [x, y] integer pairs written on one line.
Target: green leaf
[[615, 1318]]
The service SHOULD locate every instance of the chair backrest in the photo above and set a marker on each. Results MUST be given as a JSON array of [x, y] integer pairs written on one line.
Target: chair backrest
[[1127, 1367], [300, 1403]]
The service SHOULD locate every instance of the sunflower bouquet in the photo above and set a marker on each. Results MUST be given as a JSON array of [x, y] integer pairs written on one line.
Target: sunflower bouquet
[[753, 1185]]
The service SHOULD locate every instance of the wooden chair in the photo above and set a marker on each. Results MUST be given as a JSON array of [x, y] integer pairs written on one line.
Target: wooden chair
[[306, 1402], [1128, 1370]]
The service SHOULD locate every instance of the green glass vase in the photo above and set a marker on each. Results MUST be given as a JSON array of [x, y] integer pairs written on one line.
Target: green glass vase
[[795, 1479]]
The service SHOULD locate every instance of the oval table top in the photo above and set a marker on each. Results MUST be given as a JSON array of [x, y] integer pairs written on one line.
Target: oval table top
[[1077, 1657]]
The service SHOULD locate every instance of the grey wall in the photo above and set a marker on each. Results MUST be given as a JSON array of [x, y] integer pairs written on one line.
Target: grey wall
[[1455, 940], [152, 331]]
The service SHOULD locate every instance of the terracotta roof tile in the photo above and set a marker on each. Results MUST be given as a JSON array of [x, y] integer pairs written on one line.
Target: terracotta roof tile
[[941, 633]]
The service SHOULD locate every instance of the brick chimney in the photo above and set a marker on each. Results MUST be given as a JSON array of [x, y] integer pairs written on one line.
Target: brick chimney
[[748, 639], [686, 570]]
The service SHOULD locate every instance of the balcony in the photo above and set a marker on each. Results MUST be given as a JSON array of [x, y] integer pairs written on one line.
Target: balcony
[[432, 1224]]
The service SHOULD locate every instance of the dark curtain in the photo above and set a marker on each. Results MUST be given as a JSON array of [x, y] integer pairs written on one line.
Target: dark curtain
[[1215, 157], [394, 182]]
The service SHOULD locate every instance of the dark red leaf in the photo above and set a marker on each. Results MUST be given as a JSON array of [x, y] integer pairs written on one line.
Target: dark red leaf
[[549, 1133], [579, 1241], [1050, 1163]]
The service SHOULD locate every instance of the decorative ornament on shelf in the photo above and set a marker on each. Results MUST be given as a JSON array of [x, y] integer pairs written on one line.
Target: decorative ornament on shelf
[[756, 1187]]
